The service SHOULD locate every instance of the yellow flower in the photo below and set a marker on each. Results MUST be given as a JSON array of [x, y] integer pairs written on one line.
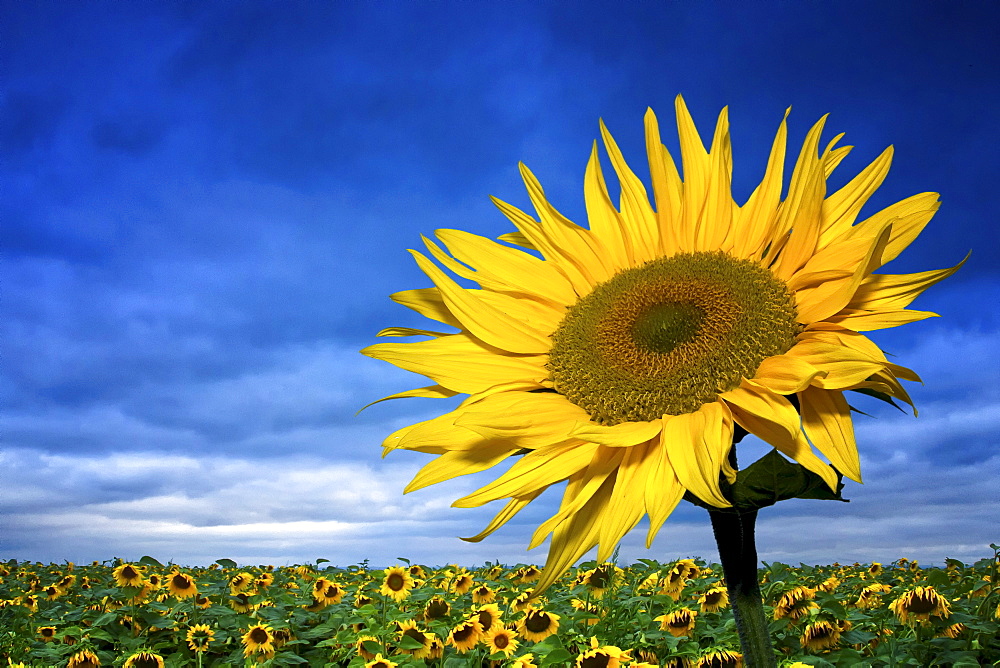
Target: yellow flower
[[258, 640], [465, 635], [84, 659], [128, 575], [396, 584], [626, 356], [182, 585], [483, 594], [602, 656], [144, 659], [714, 599], [199, 637], [488, 617], [380, 662], [537, 625], [678, 623], [819, 636], [436, 608], [524, 661], [408, 629], [921, 604], [48, 633], [501, 640], [721, 659], [795, 603]]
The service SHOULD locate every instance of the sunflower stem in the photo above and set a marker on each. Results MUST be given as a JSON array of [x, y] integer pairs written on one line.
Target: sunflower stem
[[734, 534]]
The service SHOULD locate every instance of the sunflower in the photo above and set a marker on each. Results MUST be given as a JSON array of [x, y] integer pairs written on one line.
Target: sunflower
[[626, 356], [47, 633], [199, 637], [537, 625], [721, 659], [144, 659], [258, 640], [483, 594], [462, 584], [396, 584], [501, 640], [678, 623], [465, 635], [602, 656], [795, 603], [714, 599], [524, 661], [380, 662], [920, 603], [436, 608], [488, 617], [819, 636], [128, 575], [362, 651], [182, 585], [84, 659], [408, 629]]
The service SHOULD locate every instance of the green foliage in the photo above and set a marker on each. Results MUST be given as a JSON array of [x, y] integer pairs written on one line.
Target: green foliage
[[599, 605]]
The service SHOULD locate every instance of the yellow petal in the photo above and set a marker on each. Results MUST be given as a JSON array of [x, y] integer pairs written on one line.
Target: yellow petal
[[842, 366], [409, 331], [461, 462], [786, 374], [691, 455], [826, 419], [636, 212], [513, 507], [667, 186], [429, 392], [773, 419], [716, 219], [428, 303], [504, 269], [461, 364], [485, 322], [840, 209], [530, 419], [697, 169], [536, 470], [626, 508], [908, 218], [756, 218], [618, 436], [605, 221], [662, 492], [866, 321], [896, 291]]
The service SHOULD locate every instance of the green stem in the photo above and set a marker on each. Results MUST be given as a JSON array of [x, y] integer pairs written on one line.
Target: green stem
[[734, 534]]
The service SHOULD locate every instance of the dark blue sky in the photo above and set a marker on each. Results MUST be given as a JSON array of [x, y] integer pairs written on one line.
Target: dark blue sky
[[205, 206]]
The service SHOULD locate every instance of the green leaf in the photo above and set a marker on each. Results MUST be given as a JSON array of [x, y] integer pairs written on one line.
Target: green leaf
[[558, 657], [322, 561], [406, 642], [149, 561], [405, 561], [226, 563]]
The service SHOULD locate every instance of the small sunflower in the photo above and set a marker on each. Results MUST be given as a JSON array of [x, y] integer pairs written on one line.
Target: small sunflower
[[501, 641], [436, 608], [483, 594], [462, 583], [408, 629], [330, 593], [622, 358], [795, 603], [602, 656], [678, 623], [380, 662], [721, 659], [524, 661], [47, 633], [199, 637], [488, 617], [258, 640], [819, 636], [920, 604], [537, 625], [182, 585], [465, 635], [128, 575], [396, 584], [362, 651], [714, 599], [144, 659], [84, 659]]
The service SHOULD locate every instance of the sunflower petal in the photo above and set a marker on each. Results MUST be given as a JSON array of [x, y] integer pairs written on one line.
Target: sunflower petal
[[429, 392], [618, 436], [513, 507], [428, 303], [894, 291], [773, 419], [691, 456], [483, 320], [662, 492], [826, 419], [529, 419], [606, 222], [840, 209], [456, 463], [757, 217], [866, 321], [667, 185], [638, 219], [625, 508], [786, 374]]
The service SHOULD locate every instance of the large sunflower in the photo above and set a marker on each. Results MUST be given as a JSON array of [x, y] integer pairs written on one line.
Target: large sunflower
[[622, 358]]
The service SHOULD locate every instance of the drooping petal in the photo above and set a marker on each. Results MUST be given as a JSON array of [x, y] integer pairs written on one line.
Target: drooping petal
[[773, 419], [826, 419], [429, 392], [786, 374], [842, 366], [691, 456], [513, 507], [626, 506], [663, 491], [456, 463]]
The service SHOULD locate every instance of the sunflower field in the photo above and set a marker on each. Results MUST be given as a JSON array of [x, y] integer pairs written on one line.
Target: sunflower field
[[147, 614]]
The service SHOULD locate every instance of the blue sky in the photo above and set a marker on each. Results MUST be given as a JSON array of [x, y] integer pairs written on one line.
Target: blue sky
[[206, 205]]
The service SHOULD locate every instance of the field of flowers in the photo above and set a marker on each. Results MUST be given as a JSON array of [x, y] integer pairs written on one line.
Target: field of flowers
[[147, 614]]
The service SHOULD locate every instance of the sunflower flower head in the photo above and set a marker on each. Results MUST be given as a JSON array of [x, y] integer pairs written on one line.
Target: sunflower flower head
[[920, 604], [258, 640], [537, 625], [83, 659], [396, 583], [713, 599], [144, 659], [820, 636], [678, 623], [624, 356], [199, 637]]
